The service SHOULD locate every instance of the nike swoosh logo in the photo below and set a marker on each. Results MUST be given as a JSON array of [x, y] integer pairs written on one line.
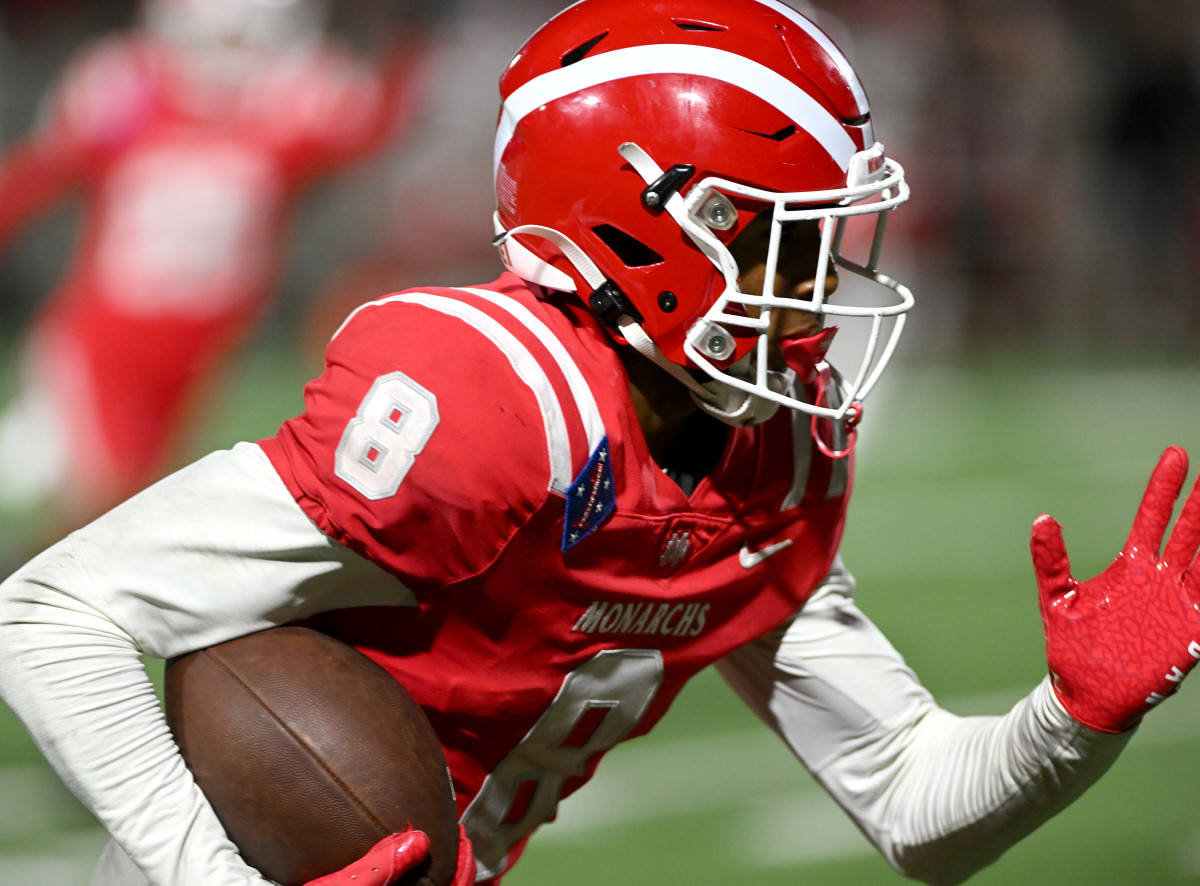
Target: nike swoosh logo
[[749, 559]]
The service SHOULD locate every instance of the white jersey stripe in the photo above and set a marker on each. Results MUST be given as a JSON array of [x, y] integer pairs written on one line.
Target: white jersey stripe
[[585, 403], [672, 58], [523, 363]]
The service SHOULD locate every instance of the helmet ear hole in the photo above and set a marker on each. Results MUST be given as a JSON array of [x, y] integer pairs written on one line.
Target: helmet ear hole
[[632, 252]]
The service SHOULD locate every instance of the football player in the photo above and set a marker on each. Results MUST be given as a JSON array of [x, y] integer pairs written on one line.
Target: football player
[[189, 140], [546, 502]]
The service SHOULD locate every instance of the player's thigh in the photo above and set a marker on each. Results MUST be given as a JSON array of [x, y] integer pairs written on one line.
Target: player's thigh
[[114, 868]]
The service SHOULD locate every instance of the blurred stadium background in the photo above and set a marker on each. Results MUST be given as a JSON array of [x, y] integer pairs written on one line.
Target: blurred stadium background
[[1051, 241]]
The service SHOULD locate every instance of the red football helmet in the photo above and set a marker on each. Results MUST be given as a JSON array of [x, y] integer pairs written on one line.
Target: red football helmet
[[636, 140]]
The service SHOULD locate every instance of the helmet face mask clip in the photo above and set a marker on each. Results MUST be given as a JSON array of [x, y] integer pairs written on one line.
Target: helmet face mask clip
[[660, 190]]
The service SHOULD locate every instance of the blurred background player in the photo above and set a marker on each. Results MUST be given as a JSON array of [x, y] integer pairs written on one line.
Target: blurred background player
[[190, 139]]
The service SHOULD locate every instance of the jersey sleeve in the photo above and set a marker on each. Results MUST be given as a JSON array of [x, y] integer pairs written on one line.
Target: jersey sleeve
[[421, 446], [215, 551], [938, 794]]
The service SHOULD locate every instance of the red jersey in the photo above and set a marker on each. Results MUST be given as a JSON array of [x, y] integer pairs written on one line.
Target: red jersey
[[481, 446]]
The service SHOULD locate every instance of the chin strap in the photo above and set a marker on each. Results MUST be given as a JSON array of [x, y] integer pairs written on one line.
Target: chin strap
[[568, 247], [633, 333], [745, 410], [726, 403], [723, 402], [628, 327]]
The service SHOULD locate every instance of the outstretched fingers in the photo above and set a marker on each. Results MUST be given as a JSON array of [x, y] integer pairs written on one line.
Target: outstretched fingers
[[1158, 502], [1185, 537], [1050, 562]]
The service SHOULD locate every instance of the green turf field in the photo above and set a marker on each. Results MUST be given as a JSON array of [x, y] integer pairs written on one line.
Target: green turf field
[[955, 464]]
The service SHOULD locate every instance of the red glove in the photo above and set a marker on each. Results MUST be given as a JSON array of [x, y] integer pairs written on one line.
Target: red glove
[[1123, 641], [464, 874], [394, 856]]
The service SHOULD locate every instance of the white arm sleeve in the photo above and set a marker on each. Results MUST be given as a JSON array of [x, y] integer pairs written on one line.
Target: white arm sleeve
[[939, 795], [216, 551]]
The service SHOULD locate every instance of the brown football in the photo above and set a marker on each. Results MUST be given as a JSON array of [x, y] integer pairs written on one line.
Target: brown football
[[310, 753]]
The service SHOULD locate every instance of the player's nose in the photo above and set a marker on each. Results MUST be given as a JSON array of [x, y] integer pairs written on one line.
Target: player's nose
[[799, 323], [806, 286]]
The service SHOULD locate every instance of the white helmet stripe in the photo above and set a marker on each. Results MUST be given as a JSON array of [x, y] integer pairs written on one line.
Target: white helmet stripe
[[843, 66], [674, 58]]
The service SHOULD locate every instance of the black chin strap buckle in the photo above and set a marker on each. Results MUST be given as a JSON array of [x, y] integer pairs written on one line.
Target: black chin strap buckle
[[610, 304]]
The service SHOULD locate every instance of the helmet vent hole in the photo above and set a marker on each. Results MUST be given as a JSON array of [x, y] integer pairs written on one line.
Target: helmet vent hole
[[580, 52], [632, 252], [686, 24]]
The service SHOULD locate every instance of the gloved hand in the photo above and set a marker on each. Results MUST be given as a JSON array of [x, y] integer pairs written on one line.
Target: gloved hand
[[395, 855], [1121, 642], [464, 874]]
